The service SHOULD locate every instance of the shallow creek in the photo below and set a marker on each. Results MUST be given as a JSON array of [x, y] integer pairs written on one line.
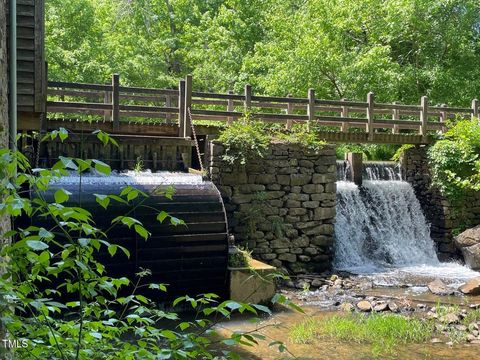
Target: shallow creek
[[277, 327], [282, 322]]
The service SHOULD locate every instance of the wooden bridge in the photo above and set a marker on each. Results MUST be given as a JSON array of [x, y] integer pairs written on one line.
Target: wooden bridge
[[165, 112]]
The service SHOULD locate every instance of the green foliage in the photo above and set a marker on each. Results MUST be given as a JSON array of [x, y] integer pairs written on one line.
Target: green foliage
[[369, 151], [383, 331], [399, 49], [239, 258], [455, 160], [399, 153], [244, 139], [300, 135], [57, 295]]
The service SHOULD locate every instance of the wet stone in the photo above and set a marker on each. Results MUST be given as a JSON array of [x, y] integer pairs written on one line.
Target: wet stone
[[364, 306]]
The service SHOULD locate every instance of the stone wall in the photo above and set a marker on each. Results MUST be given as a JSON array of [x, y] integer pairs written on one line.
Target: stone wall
[[443, 217], [281, 206]]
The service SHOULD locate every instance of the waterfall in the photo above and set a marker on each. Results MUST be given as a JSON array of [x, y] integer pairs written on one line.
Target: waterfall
[[380, 226], [381, 170]]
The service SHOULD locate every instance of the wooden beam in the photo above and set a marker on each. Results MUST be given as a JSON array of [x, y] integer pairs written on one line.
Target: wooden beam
[[289, 124], [230, 107], [248, 99], [424, 115], [395, 116], [181, 108], [344, 114], [311, 107], [115, 102], [474, 108], [188, 106], [370, 115]]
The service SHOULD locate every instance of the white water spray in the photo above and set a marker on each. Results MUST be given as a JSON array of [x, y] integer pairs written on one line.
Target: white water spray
[[380, 229], [380, 226]]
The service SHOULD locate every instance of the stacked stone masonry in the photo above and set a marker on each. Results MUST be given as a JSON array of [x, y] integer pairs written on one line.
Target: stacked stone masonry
[[281, 206], [443, 217]]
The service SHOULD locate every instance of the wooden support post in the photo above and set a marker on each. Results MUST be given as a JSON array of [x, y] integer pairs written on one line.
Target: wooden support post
[[188, 106], [116, 101], [230, 107], [356, 167], [289, 124], [248, 99], [424, 116], [181, 108], [311, 108], [443, 118], [107, 99], [475, 108], [395, 116], [168, 103], [370, 115], [344, 114]]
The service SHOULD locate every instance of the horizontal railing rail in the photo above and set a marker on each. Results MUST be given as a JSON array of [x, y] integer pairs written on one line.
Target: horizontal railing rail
[[115, 102]]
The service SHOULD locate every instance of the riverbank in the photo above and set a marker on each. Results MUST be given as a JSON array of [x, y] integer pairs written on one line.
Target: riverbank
[[350, 316]]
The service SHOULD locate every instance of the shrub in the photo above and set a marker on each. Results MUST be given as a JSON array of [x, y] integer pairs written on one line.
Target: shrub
[[455, 160], [104, 317], [244, 139]]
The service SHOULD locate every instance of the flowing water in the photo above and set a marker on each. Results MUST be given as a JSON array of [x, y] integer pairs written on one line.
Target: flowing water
[[381, 231]]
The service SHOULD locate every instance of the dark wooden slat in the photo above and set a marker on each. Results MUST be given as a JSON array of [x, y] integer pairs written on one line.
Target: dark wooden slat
[[149, 108], [78, 105], [207, 95], [138, 90], [286, 100], [68, 85]]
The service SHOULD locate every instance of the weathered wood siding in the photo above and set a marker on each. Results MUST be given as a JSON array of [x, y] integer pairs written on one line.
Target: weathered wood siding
[[31, 71], [3, 79]]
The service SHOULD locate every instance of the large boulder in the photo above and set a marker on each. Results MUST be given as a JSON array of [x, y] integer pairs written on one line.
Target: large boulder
[[469, 244], [471, 287]]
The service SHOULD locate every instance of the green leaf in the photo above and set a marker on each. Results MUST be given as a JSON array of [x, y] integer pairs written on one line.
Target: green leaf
[[262, 308], [62, 195], [112, 249], [103, 200], [83, 164], [62, 133], [44, 257], [101, 167], [142, 231], [45, 234], [37, 245], [184, 325], [162, 215]]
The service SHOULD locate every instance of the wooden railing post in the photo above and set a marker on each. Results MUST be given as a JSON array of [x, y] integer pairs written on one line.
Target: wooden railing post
[[344, 114], [181, 108], [311, 107], [107, 99], [116, 101], [248, 98], [370, 115], [289, 124], [395, 116], [230, 108], [443, 118], [188, 106], [168, 103], [424, 116], [474, 108]]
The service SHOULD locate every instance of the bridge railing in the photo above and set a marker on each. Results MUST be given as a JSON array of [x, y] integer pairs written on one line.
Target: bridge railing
[[117, 103]]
